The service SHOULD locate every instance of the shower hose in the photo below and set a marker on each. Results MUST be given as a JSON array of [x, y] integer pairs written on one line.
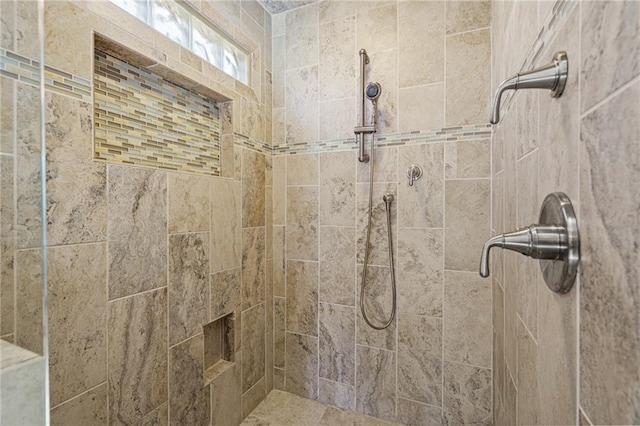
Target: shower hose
[[366, 249]]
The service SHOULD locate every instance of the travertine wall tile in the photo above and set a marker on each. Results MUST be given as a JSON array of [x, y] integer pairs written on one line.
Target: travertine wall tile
[[302, 104], [226, 403], [302, 365], [188, 399], [302, 222], [467, 394], [137, 230], [375, 383], [225, 293], [467, 159], [413, 412], [467, 15], [226, 229], [337, 394], [337, 331], [467, 77], [378, 244], [89, 408], [301, 37], [253, 267], [337, 265], [137, 331], [377, 28], [302, 297], [421, 107], [253, 346], [337, 68], [467, 318], [253, 195], [188, 285], [338, 118], [189, 203], [420, 358], [377, 303], [302, 169], [337, 188]]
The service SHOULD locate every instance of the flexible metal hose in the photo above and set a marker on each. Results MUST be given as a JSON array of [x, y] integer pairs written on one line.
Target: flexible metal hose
[[366, 247]]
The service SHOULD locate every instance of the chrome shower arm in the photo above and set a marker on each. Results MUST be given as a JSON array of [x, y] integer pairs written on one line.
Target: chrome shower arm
[[552, 76]]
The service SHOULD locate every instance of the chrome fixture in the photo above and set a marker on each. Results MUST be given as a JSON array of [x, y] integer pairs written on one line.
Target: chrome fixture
[[552, 76], [414, 173], [373, 91], [555, 241]]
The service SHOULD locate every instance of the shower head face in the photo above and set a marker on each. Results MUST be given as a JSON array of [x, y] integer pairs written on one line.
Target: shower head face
[[373, 91]]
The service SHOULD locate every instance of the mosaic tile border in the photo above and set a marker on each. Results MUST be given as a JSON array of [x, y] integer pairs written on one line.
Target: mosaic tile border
[[26, 70], [554, 21], [141, 118], [445, 134]]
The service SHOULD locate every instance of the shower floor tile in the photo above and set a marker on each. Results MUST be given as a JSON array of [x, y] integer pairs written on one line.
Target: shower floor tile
[[282, 408]]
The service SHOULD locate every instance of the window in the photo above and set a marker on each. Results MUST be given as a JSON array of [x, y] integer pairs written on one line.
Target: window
[[185, 28]]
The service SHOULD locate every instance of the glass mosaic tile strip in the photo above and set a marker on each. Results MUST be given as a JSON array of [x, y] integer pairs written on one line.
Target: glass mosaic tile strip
[[26, 70], [140, 118]]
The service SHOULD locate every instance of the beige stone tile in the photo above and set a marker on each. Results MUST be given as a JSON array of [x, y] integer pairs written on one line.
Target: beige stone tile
[[253, 397], [188, 285], [189, 400], [279, 126], [7, 245], [278, 70], [337, 188], [377, 28], [510, 398], [278, 379], [8, 19], [137, 331], [336, 416], [467, 394], [417, 413], [528, 388], [253, 267], [609, 349], [252, 420], [226, 228], [378, 302], [302, 169], [225, 292], [498, 365], [467, 206], [375, 382], [467, 159], [76, 208], [279, 190], [77, 282], [7, 97], [467, 318], [302, 104], [337, 67], [419, 272], [420, 42], [137, 230], [583, 420], [384, 169], [279, 261], [421, 205], [302, 297], [279, 324], [330, 10], [302, 365], [421, 107], [337, 118], [467, 80], [29, 300], [510, 312], [301, 37], [286, 409], [378, 244], [337, 394], [559, 168], [89, 408], [226, 398], [28, 190], [302, 223], [420, 358], [337, 265], [68, 24], [467, 15], [610, 49], [188, 203], [253, 202], [337, 329], [253, 119], [527, 118], [253, 342]]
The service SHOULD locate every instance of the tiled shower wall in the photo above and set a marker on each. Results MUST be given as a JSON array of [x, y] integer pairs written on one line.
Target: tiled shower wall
[[140, 259], [573, 358], [432, 59]]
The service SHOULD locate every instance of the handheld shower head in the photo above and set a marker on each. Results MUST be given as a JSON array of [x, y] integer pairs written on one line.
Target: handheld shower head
[[373, 91]]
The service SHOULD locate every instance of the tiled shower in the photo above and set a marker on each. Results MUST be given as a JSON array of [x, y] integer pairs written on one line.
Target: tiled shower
[[177, 244]]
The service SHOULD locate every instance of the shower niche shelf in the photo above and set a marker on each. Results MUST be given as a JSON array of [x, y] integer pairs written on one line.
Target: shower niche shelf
[[219, 347]]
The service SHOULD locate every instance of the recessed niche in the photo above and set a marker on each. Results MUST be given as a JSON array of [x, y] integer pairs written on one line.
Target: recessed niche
[[219, 347]]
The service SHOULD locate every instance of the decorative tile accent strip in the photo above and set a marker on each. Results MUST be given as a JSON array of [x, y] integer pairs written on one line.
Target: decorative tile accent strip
[[553, 23], [143, 119], [446, 134], [25, 70]]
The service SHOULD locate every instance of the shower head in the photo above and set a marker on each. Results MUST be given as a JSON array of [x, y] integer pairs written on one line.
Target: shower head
[[373, 91]]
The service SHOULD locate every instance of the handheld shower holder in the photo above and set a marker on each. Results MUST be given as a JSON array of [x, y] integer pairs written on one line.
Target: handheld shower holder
[[552, 76]]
